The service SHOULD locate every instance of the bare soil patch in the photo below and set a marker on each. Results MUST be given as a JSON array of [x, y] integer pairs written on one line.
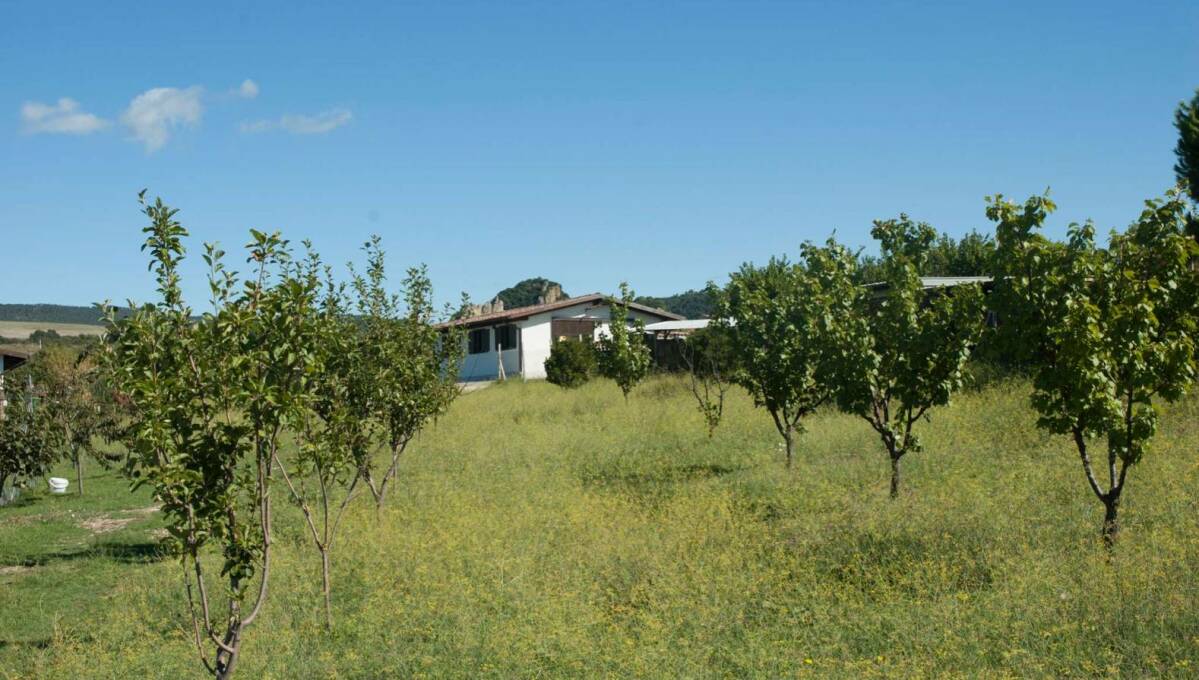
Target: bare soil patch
[[104, 525]]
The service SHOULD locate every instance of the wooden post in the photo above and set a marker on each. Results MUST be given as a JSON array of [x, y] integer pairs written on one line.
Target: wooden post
[[499, 355]]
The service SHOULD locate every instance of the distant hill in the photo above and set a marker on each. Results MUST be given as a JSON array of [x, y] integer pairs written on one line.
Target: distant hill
[[523, 294], [693, 304], [50, 313], [529, 291]]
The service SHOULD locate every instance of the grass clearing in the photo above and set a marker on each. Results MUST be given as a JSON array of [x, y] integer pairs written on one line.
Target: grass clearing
[[538, 532], [20, 330]]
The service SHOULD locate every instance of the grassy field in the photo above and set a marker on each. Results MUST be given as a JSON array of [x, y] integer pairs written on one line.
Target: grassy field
[[19, 330], [544, 533]]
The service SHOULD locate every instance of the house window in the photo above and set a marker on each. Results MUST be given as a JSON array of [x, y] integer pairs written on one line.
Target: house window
[[573, 329], [505, 337], [478, 340]]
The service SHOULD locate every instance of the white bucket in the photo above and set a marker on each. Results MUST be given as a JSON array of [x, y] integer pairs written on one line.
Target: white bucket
[[59, 484]]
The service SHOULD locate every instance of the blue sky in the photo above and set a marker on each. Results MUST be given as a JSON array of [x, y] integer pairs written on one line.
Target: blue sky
[[662, 143]]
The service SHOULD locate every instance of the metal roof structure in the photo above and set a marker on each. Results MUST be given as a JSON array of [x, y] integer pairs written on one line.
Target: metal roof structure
[[678, 325], [932, 282]]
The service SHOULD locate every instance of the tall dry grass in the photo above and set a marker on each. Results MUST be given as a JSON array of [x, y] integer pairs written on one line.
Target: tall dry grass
[[547, 533]]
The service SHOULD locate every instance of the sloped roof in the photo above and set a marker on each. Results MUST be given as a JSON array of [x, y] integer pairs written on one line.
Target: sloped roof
[[518, 313], [20, 351]]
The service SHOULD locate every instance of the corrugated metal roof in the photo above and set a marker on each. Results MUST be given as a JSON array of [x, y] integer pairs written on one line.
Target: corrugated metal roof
[[680, 325], [942, 281], [930, 282]]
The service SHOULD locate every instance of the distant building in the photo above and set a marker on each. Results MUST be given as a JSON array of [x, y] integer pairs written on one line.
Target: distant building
[[517, 341], [10, 358]]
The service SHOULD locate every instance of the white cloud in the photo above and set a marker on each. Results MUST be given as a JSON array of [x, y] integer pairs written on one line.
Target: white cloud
[[154, 114], [315, 125], [299, 124], [63, 117], [248, 89], [257, 126]]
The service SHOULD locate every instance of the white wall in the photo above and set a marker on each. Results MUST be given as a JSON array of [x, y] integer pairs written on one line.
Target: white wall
[[537, 339], [478, 366], [484, 366], [535, 343]]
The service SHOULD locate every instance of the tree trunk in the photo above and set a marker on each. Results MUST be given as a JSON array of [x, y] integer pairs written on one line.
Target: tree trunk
[[79, 471], [1111, 524], [789, 438], [325, 587], [895, 475], [226, 661]]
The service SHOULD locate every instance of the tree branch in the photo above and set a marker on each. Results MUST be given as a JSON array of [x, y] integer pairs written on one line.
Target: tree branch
[[1081, 443]]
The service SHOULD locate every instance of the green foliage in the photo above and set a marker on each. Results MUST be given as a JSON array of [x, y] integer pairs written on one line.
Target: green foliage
[[79, 406], [971, 255], [334, 431], [690, 304], [28, 444], [44, 336], [210, 399], [623, 355], [709, 351], [710, 362], [906, 349], [1186, 120], [571, 363], [785, 323], [526, 293], [1108, 331], [410, 367]]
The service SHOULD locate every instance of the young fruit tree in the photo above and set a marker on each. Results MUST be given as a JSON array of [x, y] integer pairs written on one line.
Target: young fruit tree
[[334, 432], [709, 362], [413, 365], [76, 406], [1106, 332], [623, 355], [27, 446], [906, 347], [209, 399], [786, 323]]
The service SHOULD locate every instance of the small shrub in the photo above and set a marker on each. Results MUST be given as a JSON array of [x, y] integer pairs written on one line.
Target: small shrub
[[710, 361], [571, 363]]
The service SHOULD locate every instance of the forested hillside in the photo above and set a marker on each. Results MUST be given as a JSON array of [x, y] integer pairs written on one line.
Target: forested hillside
[[693, 304], [528, 292], [50, 313]]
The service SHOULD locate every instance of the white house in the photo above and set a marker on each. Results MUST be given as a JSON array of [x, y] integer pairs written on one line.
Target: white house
[[519, 340]]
